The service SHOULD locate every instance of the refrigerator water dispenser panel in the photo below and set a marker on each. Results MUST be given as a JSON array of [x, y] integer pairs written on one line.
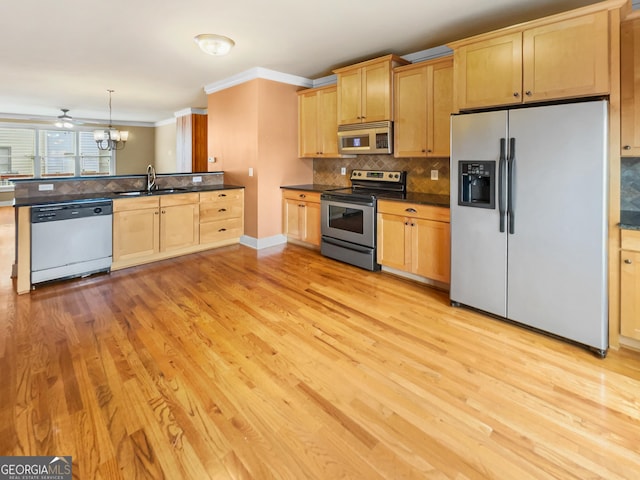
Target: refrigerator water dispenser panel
[[476, 184]]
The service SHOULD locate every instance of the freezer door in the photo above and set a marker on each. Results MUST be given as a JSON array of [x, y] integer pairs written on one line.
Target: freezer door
[[557, 254], [478, 248]]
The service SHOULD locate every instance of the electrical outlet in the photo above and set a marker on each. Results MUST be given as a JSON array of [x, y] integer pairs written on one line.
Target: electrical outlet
[[434, 174], [250, 171], [197, 179], [343, 171], [212, 159]]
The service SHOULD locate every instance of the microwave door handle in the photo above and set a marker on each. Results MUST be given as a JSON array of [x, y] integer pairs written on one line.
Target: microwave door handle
[[501, 179]]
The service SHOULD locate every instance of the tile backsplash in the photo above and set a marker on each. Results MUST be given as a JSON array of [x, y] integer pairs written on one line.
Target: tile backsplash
[[630, 184], [326, 171]]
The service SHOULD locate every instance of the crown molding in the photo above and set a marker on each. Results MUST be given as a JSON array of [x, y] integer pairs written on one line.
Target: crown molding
[[254, 73], [190, 111]]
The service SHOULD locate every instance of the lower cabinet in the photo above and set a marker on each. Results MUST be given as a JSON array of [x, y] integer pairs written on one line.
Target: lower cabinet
[[301, 216], [221, 216], [414, 238], [630, 284], [157, 227]]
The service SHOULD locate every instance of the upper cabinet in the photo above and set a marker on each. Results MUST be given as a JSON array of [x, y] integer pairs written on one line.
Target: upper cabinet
[[564, 56], [423, 104], [365, 90], [318, 123], [630, 88]]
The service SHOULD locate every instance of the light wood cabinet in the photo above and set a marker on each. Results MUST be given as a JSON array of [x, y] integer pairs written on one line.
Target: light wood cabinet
[[136, 229], [318, 123], [414, 238], [156, 227], [301, 216], [144, 228], [559, 57], [630, 284], [365, 90], [630, 88], [423, 103], [179, 226], [221, 216]]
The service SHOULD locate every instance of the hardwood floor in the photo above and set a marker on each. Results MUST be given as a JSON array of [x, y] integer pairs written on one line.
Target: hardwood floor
[[282, 364]]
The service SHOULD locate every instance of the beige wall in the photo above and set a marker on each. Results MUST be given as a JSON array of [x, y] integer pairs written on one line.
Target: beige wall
[[165, 149], [138, 152], [254, 125]]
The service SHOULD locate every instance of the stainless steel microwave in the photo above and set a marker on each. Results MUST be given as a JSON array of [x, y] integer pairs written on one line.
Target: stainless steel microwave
[[366, 138]]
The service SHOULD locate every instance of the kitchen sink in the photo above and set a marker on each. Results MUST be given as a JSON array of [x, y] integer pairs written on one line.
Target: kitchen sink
[[135, 193]]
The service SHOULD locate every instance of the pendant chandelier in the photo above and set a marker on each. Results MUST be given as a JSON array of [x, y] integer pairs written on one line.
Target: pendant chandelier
[[110, 138]]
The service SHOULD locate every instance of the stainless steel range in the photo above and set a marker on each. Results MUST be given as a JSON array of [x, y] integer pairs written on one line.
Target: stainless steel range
[[349, 216]]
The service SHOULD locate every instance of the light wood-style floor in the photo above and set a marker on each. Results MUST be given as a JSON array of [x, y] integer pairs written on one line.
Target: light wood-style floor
[[281, 364]]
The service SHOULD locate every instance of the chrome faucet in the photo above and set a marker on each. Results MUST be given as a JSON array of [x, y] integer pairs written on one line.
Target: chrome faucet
[[151, 178]]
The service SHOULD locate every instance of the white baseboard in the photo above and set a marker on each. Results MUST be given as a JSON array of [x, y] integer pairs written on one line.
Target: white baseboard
[[260, 243]]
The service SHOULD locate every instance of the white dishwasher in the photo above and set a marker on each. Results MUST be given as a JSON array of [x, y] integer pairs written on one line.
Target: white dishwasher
[[70, 239]]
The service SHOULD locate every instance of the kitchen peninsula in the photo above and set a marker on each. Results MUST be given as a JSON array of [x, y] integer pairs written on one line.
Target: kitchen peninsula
[[183, 213]]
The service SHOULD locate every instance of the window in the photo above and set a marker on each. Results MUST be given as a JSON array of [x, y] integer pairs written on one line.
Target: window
[[56, 153]]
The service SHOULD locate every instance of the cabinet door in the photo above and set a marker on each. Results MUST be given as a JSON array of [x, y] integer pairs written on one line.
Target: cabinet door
[[430, 248], [293, 218], [439, 108], [489, 72], [328, 122], [311, 229], [567, 59], [179, 227], [350, 97], [410, 129], [308, 125], [376, 92], [135, 234], [394, 241], [630, 88], [630, 294]]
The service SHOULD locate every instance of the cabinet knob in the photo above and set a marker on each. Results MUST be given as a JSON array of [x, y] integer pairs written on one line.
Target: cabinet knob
[[516, 94], [301, 205], [164, 211], [222, 210], [222, 195], [528, 93], [423, 150], [222, 230], [410, 210], [156, 212], [628, 261], [302, 195], [429, 151], [627, 147], [406, 223]]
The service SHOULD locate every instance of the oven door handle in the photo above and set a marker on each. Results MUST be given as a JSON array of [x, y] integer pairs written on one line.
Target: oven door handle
[[346, 199]]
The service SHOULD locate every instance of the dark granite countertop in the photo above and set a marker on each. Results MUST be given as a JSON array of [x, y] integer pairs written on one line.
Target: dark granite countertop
[[312, 187], [630, 220], [411, 197], [49, 199]]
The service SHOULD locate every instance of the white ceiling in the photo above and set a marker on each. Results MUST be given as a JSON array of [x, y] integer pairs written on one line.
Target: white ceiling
[[67, 53]]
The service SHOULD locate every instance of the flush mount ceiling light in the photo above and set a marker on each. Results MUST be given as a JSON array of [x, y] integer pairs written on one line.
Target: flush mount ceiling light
[[214, 44], [110, 138], [64, 120]]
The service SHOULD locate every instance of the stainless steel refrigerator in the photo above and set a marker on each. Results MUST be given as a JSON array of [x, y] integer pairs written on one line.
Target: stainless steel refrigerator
[[529, 217]]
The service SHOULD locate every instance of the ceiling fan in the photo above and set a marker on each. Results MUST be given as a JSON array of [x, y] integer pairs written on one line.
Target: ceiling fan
[[64, 120]]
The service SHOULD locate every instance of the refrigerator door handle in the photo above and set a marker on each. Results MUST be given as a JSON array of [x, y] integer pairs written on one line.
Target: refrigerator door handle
[[511, 160], [501, 178]]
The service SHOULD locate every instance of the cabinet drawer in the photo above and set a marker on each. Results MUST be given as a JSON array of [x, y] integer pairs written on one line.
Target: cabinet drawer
[[220, 210], [301, 195], [427, 212], [126, 204], [179, 199], [221, 195], [220, 230], [630, 239]]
